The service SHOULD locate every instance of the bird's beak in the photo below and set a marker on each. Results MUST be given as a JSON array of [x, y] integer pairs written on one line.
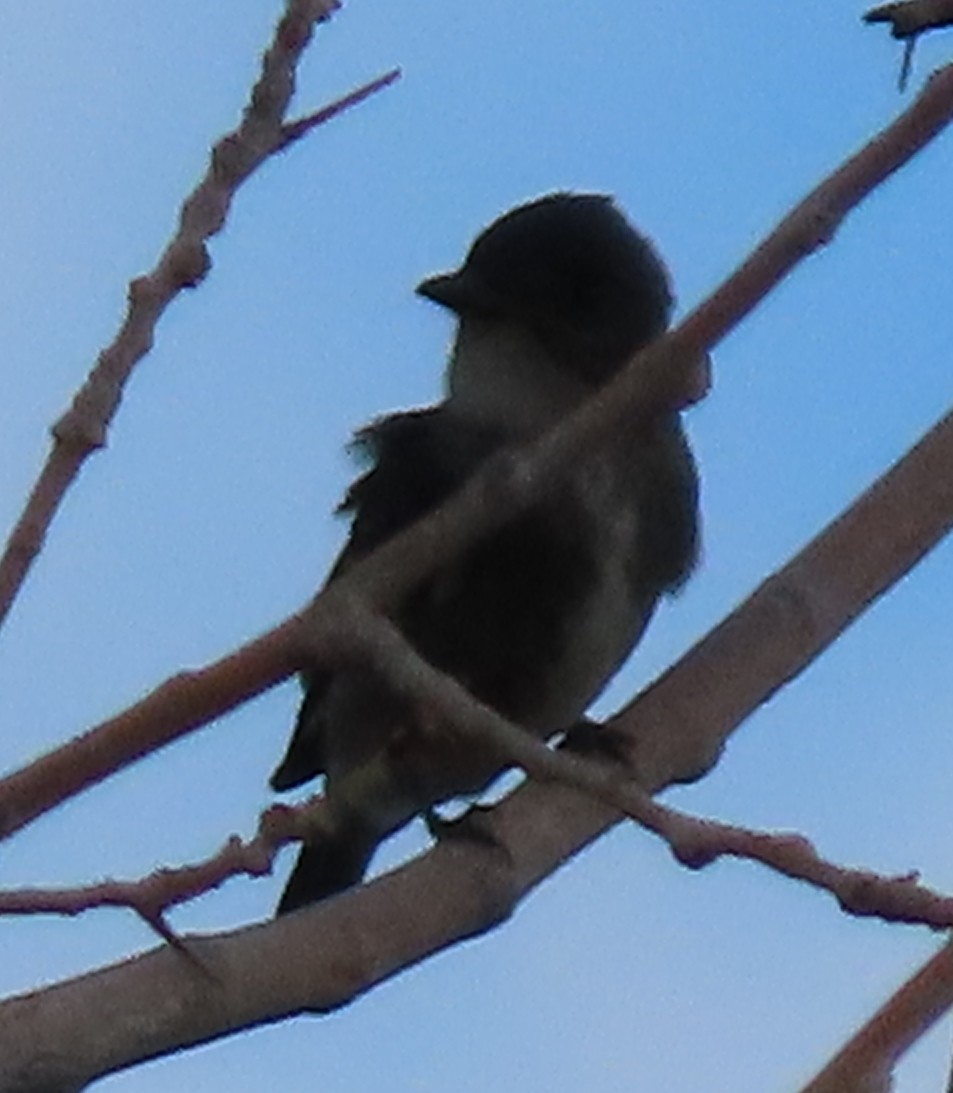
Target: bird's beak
[[459, 291], [440, 289]]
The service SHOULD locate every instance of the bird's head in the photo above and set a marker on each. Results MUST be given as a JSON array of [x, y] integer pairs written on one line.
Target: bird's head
[[571, 271]]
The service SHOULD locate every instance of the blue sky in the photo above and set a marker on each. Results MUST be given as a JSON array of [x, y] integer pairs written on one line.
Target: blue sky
[[207, 519]]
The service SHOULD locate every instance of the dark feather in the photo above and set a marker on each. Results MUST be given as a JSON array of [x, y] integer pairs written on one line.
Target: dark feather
[[535, 616]]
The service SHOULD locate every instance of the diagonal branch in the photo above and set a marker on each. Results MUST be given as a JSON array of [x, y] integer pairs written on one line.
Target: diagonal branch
[[181, 704], [185, 262], [898, 1024]]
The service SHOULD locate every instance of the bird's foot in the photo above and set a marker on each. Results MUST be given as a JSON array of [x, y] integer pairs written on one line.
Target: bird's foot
[[473, 825]]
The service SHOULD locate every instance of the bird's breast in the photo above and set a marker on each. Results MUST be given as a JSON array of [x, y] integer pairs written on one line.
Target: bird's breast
[[606, 619]]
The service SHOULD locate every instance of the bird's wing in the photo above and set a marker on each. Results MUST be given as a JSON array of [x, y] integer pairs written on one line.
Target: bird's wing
[[418, 459]]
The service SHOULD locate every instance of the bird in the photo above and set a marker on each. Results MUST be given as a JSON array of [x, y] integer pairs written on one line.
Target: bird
[[552, 300]]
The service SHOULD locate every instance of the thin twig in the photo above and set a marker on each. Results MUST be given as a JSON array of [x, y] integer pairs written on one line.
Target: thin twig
[[695, 842], [152, 896], [293, 131]]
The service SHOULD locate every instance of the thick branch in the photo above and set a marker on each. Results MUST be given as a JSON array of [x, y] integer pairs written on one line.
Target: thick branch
[[162, 1001]]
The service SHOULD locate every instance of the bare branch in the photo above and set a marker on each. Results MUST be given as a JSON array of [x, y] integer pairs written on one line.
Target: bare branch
[[698, 842], [293, 131], [159, 1002], [185, 262], [152, 896], [183, 703], [895, 1027]]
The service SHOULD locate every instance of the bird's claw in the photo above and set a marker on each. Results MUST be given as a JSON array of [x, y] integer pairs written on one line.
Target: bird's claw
[[591, 738], [472, 825]]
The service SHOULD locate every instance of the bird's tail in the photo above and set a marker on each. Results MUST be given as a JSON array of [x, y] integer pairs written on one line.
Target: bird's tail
[[325, 868]]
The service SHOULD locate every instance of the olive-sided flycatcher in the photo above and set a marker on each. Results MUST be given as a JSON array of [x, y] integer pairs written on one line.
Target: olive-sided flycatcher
[[534, 618]]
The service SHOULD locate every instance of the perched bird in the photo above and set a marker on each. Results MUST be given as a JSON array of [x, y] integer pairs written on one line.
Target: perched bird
[[534, 618]]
